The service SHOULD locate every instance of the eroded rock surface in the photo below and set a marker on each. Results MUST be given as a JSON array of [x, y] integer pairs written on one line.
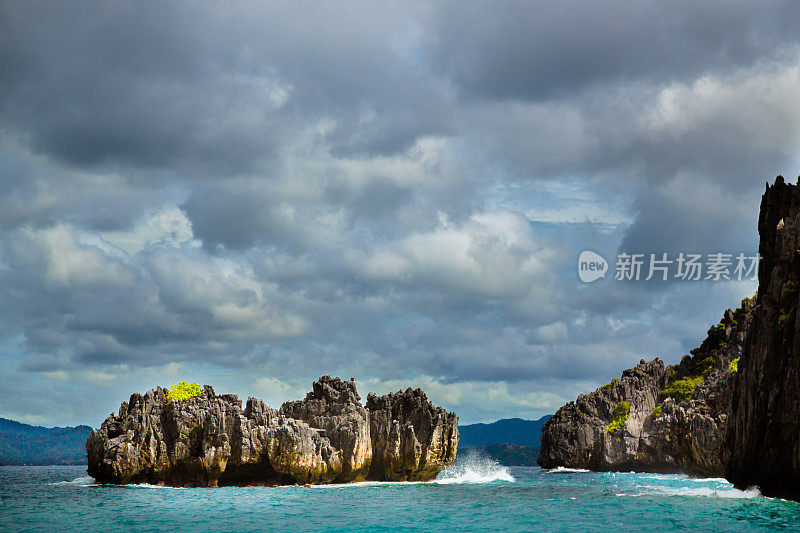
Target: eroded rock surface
[[661, 433], [411, 437], [209, 440], [334, 407]]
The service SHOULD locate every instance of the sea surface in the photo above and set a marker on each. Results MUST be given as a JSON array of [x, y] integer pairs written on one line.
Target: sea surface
[[475, 495]]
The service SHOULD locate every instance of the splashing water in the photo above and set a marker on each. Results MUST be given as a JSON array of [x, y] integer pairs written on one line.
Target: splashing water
[[475, 468]]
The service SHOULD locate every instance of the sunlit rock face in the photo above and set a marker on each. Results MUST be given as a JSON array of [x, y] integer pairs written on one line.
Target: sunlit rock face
[[328, 437], [411, 437], [334, 408]]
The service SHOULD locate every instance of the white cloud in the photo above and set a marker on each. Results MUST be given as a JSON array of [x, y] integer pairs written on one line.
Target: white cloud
[[491, 255], [165, 225], [757, 106]]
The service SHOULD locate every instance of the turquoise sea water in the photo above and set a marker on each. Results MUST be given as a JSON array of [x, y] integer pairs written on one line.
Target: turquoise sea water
[[477, 495]]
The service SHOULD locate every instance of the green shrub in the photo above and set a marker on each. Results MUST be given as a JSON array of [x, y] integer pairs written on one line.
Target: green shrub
[[716, 335], [608, 385], [734, 366], [682, 389], [782, 317], [182, 391], [619, 416], [657, 411], [704, 366]]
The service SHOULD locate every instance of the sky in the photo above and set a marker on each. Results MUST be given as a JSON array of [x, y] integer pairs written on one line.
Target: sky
[[252, 195]]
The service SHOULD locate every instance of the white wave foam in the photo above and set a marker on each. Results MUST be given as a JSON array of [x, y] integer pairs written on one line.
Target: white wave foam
[[87, 481], [84, 481], [697, 492], [474, 469], [361, 484], [149, 486], [670, 477], [565, 470], [709, 492]]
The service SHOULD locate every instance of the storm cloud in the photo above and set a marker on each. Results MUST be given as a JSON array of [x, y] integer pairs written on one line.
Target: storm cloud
[[257, 194]]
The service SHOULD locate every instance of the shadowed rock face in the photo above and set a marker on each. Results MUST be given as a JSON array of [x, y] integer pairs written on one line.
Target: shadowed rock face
[[743, 424], [660, 434], [576, 435], [764, 433], [210, 440]]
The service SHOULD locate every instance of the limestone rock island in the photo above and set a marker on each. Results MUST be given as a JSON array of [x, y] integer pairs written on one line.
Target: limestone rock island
[[328, 437]]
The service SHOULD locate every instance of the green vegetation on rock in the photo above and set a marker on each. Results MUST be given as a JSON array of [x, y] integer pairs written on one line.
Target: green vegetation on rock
[[734, 366], [608, 385], [791, 287], [717, 335], [619, 416], [681, 390], [704, 366], [657, 411], [183, 391]]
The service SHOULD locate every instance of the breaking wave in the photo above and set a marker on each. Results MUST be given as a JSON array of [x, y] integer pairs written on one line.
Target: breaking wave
[[564, 470], [83, 481], [475, 469], [710, 492]]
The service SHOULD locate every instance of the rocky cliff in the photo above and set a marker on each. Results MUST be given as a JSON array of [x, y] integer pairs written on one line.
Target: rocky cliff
[[764, 433], [653, 418], [328, 437], [732, 408]]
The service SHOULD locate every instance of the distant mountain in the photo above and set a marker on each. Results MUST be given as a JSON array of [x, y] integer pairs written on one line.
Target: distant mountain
[[507, 431], [22, 444], [505, 454], [33, 445]]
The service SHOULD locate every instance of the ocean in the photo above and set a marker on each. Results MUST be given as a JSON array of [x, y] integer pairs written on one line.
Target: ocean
[[475, 495]]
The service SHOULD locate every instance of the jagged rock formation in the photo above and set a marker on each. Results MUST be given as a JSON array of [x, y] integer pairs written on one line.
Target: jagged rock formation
[[676, 416], [335, 408], [576, 436], [410, 436], [328, 437], [764, 433]]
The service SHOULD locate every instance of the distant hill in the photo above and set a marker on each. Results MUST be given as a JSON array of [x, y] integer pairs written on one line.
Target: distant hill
[[507, 431], [22, 444], [505, 454], [511, 441]]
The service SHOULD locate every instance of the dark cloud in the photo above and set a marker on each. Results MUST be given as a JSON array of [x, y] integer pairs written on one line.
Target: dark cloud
[[550, 49], [264, 194], [154, 86]]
